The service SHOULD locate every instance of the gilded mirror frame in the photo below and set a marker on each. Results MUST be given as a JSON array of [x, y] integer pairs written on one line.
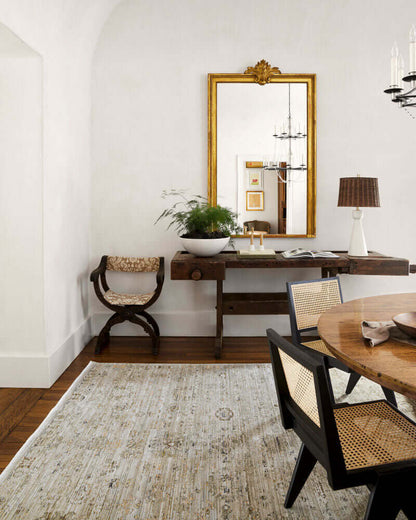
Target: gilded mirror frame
[[263, 74]]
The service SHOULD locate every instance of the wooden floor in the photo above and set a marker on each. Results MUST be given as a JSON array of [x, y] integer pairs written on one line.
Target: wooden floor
[[23, 410]]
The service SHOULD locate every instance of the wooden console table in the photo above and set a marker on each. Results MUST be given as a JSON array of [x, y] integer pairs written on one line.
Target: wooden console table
[[185, 266]]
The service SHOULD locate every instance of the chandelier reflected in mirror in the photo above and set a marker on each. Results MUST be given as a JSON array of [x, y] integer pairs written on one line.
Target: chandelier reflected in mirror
[[289, 149], [404, 97]]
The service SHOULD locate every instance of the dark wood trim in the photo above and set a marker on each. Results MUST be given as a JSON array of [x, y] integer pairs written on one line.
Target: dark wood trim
[[281, 202]]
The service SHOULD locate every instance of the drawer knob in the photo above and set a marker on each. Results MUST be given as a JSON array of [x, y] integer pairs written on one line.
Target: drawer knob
[[196, 274]]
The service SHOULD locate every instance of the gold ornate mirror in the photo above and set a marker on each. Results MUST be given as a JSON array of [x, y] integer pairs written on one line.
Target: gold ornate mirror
[[262, 149]]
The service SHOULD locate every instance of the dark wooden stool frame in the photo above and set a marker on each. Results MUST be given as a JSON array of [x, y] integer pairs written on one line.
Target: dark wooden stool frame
[[132, 313], [391, 484]]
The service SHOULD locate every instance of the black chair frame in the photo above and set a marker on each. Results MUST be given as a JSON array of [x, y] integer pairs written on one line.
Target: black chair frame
[[391, 485], [132, 313], [331, 362]]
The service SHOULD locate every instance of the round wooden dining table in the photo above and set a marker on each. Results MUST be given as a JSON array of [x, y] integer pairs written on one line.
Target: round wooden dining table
[[391, 364]]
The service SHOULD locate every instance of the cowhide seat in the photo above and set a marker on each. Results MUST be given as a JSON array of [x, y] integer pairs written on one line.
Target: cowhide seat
[[130, 307]]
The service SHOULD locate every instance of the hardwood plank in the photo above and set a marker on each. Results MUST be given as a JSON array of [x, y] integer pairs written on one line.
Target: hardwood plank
[[7, 396], [24, 400]]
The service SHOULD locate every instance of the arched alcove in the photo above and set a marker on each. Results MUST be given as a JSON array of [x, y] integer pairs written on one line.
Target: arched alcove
[[21, 208]]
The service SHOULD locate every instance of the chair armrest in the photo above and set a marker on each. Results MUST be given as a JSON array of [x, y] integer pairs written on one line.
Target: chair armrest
[[99, 270], [160, 277]]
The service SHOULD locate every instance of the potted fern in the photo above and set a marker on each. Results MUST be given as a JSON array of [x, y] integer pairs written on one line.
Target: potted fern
[[204, 229]]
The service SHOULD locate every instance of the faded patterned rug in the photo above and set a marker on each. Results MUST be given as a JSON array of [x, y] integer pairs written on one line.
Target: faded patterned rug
[[171, 442]]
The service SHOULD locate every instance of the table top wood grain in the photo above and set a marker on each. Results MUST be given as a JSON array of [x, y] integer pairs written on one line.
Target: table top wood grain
[[213, 268], [391, 364]]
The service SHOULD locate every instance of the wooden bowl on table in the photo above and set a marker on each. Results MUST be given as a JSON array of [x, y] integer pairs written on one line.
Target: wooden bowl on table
[[406, 322]]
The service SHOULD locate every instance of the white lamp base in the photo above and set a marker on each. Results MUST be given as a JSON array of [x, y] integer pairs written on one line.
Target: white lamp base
[[358, 247]]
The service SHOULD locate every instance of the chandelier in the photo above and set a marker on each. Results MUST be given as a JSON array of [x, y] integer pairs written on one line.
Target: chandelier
[[398, 93], [287, 136]]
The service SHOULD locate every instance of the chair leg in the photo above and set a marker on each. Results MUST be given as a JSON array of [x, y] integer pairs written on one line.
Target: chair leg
[[408, 502], [151, 320], [352, 381], [155, 339], [104, 335], [389, 394], [383, 502], [304, 465]]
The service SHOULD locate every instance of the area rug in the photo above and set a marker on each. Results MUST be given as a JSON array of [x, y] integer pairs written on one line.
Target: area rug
[[171, 442]]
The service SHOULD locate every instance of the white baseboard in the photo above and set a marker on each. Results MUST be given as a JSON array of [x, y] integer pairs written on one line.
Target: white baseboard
[[60, 360], [24, 372], [198, 323], [43, 371]]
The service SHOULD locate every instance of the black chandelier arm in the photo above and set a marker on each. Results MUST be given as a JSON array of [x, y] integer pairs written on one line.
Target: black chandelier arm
[[393, 90], [284, 168], [410, 77], [287, 136], [406, 99]]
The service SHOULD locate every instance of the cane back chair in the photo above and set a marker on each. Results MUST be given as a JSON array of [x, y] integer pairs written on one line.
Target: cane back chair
[[369, 443], [130, 307], [307, 301]]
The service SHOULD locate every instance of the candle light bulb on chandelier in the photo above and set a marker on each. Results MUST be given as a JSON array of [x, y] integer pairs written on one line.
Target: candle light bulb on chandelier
[[400, 68], [412, 49], [393, 65], [402, 89]]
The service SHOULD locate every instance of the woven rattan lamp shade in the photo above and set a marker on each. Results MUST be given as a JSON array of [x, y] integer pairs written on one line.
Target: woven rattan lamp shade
[[359, 192]]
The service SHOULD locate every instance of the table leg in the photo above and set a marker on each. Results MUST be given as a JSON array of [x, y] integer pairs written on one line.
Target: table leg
[[328, 272], [218, 337]]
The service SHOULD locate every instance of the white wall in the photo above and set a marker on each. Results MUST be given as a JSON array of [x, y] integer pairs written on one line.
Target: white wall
[[21, 209], [150, 131], [63, 35]]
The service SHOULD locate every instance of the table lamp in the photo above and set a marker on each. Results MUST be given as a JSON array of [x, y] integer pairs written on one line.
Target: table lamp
[[358, 192]]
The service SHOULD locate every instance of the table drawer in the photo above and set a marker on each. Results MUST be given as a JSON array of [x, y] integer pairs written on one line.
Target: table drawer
[[198, 270]]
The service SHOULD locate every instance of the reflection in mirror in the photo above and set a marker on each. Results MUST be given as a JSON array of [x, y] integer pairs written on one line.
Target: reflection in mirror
[[262, 154], [261, 149]]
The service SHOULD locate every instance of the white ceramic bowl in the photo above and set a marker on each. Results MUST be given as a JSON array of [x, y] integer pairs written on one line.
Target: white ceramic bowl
[[205, 246]]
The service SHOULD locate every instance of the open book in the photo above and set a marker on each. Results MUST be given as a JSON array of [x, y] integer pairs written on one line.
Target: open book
[[304, 253]]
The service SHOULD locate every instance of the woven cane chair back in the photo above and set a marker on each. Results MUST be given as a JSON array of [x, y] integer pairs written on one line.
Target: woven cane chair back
[[301, 385], [302, 379], [308, 300], [130, 264]]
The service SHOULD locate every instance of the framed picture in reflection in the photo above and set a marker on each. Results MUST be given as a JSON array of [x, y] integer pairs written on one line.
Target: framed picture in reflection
[[254, 200], [255, 178]]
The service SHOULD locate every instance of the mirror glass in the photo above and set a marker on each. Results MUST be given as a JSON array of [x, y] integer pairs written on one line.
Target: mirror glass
[[262, 153]]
